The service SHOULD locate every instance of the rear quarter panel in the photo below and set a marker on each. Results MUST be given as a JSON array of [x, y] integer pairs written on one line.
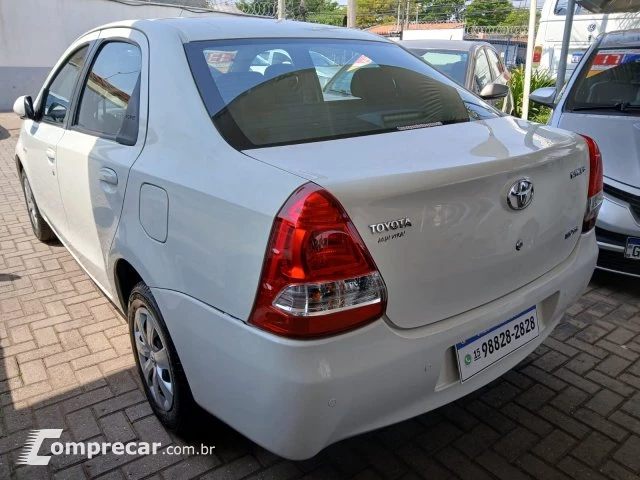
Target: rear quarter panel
[[221, 203]]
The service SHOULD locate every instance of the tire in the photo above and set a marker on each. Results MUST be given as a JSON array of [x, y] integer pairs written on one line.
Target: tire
[[162, 376], [41, 229]]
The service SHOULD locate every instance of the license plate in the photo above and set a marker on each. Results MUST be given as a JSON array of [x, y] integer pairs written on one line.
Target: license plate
[[632, 250], [483, 350]]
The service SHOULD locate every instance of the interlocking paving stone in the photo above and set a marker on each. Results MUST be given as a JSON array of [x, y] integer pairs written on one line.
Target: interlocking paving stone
[[570, 410]]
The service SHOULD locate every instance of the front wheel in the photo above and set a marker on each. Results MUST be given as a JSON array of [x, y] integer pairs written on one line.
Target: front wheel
[[40, 228], [159, 367]]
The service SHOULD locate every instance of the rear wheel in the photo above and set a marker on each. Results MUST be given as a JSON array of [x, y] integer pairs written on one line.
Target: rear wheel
[[41, 229], [159, 367]]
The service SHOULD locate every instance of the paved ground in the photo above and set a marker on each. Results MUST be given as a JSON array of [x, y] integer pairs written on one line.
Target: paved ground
[[571, 410]]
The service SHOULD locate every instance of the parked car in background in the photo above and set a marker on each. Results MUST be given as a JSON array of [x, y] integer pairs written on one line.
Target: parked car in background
[[602, 100], [304, 265], [585, 29], [325, 67], [474, 65]]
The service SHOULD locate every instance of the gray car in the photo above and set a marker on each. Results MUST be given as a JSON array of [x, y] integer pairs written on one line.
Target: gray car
[[474, 65], [602, 100]]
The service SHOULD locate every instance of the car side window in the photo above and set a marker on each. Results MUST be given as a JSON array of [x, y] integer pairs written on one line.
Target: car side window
[[55, 104], [110, 97], [497, 68], [482, 73]]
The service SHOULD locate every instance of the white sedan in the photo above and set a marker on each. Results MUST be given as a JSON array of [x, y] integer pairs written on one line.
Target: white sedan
[[304, 264]]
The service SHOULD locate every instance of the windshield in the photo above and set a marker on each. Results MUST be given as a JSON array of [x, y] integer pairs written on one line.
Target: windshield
[[451, 62], [265, 92], [610, 80]]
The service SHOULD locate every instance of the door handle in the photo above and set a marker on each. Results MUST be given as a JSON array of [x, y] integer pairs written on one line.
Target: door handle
[[51, 154], [108, 176]]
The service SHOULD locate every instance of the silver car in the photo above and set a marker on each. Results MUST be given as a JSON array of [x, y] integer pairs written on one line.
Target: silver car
[[474, 65], [602, 100]]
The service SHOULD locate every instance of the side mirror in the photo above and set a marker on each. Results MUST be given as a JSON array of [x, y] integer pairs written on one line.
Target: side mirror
[[493, 91], [544, 96], [23, 107]]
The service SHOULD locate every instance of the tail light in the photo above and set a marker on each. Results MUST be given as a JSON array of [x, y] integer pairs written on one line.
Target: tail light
[[595, 195], [318, 278], [537, 55]]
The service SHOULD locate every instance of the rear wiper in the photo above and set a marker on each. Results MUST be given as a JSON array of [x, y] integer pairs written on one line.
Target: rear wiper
[[620, 107]]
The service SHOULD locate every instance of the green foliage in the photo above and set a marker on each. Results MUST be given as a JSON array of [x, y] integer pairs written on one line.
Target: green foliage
[[487, 12], [318, 11], [539, 78], [440, 10], [375, 12]]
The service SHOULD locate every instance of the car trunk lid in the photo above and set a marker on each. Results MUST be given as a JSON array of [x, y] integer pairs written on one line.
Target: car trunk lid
[[431, 207]]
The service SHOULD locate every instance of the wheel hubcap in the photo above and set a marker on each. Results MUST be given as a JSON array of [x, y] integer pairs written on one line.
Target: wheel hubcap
[[31, 204], [154, 358]]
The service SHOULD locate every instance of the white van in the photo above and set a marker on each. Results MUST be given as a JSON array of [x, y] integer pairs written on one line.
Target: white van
[[586, 27]]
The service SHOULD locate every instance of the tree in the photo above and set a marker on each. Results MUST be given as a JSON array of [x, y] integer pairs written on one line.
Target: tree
[[320, 11], [376, 12], [488, 12], [441, 10], [519, 17]]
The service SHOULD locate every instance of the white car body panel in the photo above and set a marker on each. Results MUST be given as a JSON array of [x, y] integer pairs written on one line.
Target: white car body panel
[[198, 240], [93, 206], [296, 397], [463, 234], [585, 29]]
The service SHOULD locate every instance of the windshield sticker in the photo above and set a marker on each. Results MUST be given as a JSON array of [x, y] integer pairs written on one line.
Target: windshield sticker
[[607, 59]]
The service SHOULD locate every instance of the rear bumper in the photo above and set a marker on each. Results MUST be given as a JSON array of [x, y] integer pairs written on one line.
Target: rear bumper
[[616, 222], [296, 397]]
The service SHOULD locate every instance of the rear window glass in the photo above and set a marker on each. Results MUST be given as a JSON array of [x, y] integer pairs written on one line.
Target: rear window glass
[[264, 92], [451, 62], [610, 80]]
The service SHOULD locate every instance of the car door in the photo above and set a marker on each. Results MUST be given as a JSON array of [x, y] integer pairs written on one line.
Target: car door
[[42, 135], [106, 134]]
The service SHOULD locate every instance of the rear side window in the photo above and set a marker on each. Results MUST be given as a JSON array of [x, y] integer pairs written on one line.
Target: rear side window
[[283, 91], [110, 96], [609, 81]]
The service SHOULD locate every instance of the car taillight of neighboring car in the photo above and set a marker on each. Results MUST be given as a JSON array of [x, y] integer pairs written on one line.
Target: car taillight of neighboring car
[[318, 278], [595, 195], [537, 55]]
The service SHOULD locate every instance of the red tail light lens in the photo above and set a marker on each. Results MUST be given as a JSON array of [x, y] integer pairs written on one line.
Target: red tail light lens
[[537, 54], [318, 277], [594, 195]]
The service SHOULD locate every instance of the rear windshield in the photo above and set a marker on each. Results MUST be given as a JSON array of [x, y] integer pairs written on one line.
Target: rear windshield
[[451, 62], [609, 81], [265, 92]]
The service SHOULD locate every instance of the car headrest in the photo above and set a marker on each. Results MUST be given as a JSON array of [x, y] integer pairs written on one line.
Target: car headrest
[[277, 69], [373, 84], [233, 84]]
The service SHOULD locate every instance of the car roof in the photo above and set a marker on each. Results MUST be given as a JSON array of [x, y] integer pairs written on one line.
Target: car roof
[[621, 38], [226, 26], [464, 45]]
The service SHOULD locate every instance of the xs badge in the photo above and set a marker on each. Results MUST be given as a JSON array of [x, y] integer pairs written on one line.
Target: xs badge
[[576, 172], [392, 225]]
